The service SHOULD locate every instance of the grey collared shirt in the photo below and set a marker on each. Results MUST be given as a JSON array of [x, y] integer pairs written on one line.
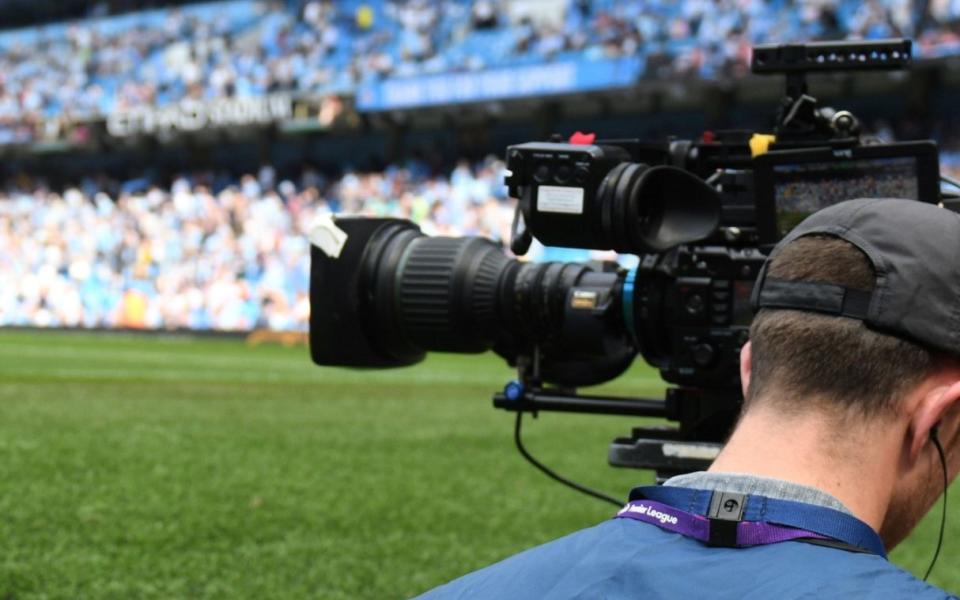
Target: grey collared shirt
[[742, 483]]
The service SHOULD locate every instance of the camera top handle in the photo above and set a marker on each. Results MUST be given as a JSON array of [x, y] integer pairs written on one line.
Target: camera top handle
[[800, 120]]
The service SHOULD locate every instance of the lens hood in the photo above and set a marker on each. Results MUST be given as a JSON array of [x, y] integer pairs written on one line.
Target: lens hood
[[340, 300]]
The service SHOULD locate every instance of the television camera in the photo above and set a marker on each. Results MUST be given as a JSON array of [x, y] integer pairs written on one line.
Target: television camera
[[700, 216]]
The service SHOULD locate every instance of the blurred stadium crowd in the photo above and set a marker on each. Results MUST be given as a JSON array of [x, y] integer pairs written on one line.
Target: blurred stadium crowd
[[208, 251], [205, 253], [243, 48], [211, 253]]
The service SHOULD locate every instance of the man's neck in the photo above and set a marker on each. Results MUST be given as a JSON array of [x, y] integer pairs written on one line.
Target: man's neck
[[851, 467]]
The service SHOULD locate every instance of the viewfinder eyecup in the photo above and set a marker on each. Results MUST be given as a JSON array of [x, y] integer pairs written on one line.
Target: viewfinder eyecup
[[669, 207]]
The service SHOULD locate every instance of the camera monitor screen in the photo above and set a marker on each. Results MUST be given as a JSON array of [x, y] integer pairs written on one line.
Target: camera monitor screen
[[791, 185]]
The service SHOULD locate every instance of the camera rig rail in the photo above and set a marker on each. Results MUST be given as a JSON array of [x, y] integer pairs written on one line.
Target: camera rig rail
[[665, 450]]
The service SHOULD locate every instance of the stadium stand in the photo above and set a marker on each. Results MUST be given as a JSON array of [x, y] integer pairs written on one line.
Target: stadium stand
[[205, 251], [221, 255], [244, 48], [204, 255]]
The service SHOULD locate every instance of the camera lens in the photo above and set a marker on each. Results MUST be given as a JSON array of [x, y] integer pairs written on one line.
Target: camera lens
[[417, 294], [433, 293]]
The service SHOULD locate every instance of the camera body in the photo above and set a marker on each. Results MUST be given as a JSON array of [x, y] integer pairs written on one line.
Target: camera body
[[699, 215], [686, 304], [692, 312]]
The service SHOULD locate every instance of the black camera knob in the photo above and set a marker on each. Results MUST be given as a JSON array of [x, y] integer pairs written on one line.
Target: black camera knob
[[844, 122], [703, 354], [581, 175], [542, 173], [694, 305]]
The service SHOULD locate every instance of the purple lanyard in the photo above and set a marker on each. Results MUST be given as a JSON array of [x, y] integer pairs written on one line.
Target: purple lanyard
[[748, 533]]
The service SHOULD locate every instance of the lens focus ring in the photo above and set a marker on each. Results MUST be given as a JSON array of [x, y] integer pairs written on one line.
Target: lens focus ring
[[446, 293]]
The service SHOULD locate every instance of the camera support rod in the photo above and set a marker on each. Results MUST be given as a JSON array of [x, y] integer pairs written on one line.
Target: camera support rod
[[515, 399], [662, 449]]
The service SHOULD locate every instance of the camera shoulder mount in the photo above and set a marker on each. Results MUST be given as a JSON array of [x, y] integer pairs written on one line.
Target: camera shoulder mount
[[703, 418]]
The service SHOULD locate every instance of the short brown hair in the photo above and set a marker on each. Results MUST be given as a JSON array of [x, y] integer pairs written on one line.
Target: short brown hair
[[834, 362]]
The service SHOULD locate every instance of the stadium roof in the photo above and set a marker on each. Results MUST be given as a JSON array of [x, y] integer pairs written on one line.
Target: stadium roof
[[20, 13]]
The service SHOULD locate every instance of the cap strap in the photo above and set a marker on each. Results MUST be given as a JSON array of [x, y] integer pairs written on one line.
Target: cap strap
[[818, 297], [757, 286]]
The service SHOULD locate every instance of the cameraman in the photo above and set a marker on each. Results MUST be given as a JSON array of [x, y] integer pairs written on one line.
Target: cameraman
[[851, 384]]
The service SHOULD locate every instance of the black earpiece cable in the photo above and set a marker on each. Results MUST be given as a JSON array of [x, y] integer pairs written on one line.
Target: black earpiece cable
[[943, 517], [553, 474]]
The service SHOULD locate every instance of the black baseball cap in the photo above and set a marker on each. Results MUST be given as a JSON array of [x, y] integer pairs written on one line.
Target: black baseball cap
[[915, 251]]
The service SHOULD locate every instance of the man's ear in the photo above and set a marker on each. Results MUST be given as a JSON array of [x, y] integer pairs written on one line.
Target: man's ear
[[929, 411], [745, 366]]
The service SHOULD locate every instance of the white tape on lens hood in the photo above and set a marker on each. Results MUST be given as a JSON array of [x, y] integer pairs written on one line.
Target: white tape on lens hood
[[328, 237]]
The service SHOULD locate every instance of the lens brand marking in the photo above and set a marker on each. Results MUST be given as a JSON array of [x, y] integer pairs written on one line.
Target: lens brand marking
[[582, 299]]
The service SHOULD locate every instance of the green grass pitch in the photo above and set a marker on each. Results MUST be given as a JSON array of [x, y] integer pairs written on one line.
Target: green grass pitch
[[163, 467]]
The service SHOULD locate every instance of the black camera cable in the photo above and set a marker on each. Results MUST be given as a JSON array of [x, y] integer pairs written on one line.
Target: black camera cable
[[935, 438], [553, 474]]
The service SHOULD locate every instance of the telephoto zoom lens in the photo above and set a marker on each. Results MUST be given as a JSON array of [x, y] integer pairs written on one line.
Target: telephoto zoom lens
[[442, 293], [410, 294], [459, 294]]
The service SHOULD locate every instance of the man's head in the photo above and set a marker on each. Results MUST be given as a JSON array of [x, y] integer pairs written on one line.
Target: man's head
[[858, 305], [831, 362], [859, 327]]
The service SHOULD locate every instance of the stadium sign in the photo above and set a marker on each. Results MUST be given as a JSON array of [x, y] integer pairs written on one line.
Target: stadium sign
[[560, 77], [193, 115]]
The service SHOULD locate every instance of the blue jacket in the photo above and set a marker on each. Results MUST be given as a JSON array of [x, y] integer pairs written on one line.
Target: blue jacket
[[623, 558]]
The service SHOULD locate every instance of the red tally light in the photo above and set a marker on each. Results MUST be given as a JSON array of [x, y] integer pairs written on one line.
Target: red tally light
[[709, 137], [582, 139]]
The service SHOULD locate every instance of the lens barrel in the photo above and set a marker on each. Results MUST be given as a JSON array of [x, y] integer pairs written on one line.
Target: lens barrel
[[458, 294], [406, 294], [445, 293]]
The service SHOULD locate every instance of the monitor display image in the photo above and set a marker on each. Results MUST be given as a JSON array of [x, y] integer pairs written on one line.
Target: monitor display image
[[804, 188]]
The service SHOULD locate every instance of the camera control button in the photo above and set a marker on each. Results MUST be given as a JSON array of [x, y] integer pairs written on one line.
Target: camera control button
[[694, 304], [542, 173], [581, 175], [703, 354]]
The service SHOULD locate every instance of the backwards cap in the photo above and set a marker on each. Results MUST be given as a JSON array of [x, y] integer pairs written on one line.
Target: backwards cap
[[915, 251]]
